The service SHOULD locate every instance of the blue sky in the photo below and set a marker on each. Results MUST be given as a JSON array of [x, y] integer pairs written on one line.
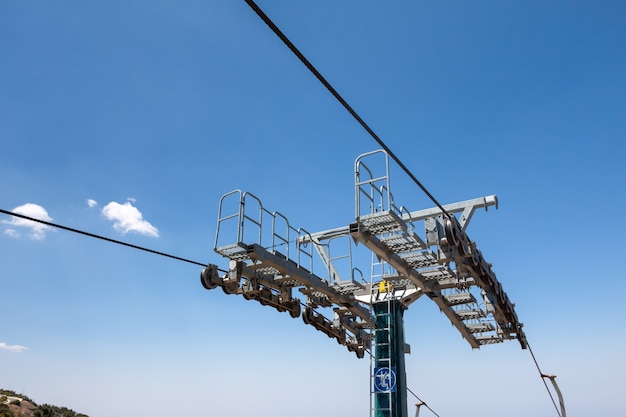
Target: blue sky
[[131, 118]]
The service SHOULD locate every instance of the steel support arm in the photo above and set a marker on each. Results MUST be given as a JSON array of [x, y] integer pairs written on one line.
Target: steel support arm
[[428, 288], [467, 208]]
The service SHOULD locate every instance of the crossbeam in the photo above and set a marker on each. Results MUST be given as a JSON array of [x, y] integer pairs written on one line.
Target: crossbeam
[[467, 208]]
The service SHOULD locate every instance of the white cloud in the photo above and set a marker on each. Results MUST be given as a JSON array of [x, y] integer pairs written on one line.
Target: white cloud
[[91, 203], [12, 233], [37, 230], [12, 348], [127, 218]]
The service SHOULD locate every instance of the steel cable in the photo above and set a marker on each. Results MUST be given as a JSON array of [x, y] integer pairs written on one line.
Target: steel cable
[[107, 239], [340, 99], [422, 402]]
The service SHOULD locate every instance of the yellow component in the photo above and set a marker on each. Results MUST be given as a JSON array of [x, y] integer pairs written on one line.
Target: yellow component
[[384, 286]]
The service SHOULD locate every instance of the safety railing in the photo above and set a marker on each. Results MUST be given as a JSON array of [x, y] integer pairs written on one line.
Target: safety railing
[[242, 221], [371, 192]]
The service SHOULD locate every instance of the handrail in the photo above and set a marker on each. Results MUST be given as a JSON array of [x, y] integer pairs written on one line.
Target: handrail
[[302, 251], [244, 216], [373, 192], [221, 219]]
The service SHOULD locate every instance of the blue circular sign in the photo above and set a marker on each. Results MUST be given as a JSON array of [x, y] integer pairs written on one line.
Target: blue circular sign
[[384, 379]]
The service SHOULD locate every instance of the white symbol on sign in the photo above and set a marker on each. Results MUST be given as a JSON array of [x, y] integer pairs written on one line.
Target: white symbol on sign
[[384, 379]]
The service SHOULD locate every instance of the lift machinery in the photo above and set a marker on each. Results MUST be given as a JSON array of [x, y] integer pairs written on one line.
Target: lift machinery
[[269, 259]]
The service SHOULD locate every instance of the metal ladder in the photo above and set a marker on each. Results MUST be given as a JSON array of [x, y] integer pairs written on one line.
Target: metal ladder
[[382, 367]]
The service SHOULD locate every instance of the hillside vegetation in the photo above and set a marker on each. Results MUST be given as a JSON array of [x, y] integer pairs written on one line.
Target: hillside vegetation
[[19, 405]]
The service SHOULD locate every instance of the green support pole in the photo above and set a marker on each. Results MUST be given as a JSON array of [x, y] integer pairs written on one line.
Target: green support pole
[[389, 379]]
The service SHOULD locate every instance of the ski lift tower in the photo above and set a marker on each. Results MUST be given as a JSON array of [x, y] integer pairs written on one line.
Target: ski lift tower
[[269, 259]]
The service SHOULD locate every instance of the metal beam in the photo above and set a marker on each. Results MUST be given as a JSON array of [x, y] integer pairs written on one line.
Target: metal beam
[[291, 271], [429, 288], [466, 207]]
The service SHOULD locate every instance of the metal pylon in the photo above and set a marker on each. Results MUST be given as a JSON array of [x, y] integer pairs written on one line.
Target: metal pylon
[[388, 393]]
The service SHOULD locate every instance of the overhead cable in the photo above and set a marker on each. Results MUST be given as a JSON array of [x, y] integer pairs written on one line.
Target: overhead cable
[[422, 402], [340, 99], [107, 239]]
